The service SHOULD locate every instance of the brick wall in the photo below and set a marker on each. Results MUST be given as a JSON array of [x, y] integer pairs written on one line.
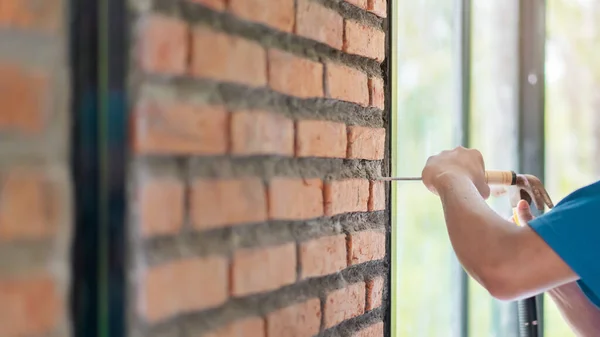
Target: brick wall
[[35, 189], [258, 127]]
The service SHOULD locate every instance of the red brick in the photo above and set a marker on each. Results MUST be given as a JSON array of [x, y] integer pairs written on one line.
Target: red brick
[[343, 196], [179, 129], [298, 320], [366, 143], [295, 199], [24, 98], [31, 306], [345, 303], [358, 3], [259, 132], [162, 45], [375, 330], [377, 196], [314, 21], [161, 206], [222, 57], [320, 139], [364, 40], [30, 205], [218, 5], [183, 286], [378, 7], [248, 327], [263, 269], [374, 293], [295, 76], [323, 256], [376, 93], [278, 14], [347, 84], [366, 246], [217, 203], [47, 15]]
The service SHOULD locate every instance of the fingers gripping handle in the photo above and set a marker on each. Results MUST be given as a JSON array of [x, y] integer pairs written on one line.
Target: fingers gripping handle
[[500, 177]]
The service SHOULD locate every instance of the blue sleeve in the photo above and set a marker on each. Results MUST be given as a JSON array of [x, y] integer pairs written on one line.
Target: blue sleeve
[[572, 230]]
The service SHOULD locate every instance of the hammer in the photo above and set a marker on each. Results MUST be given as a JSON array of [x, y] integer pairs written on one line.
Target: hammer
[[522, 186]]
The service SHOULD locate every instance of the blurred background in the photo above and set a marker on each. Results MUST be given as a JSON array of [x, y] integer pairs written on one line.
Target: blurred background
[[428, 93]]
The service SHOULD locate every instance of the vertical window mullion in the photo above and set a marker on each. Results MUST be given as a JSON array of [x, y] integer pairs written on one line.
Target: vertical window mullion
[[463, 113], [532, 33]]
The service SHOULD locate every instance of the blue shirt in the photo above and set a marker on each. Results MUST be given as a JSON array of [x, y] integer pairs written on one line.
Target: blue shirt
[[572, 230]]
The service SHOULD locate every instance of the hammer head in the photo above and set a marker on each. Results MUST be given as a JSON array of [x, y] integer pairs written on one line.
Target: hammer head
[[529, 188]]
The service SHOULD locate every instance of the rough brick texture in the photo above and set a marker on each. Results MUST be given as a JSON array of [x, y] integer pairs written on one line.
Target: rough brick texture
[[298, 320], [350, 195], [377, 201], [366, 246], [322, 256], [277, 14], [258, 132], [173, 288], [25, 94], [314, 21], [359, 3], [30, 306], [36, 202], [374, 293], [160, 206], [293, 75], [378, 7], [226, 58], [320, 139], [262, 269], [225, 202], [33, 15], [376, 93], [347, 84], [163, 128], [162, 45], [366, 143], [295, 199], [364, 40], [258, 128], [344, 303]]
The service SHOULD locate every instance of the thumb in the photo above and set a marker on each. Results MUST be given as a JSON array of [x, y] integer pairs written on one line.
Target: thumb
[[524, 212]]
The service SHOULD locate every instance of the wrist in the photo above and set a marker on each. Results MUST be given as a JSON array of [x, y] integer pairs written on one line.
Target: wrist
[[446, 180]]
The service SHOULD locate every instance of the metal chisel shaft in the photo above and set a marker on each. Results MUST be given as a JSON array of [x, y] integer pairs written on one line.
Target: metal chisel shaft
[[399, 178]]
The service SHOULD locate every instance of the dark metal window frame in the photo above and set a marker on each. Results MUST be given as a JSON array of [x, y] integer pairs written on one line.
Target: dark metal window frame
[[99, 54]]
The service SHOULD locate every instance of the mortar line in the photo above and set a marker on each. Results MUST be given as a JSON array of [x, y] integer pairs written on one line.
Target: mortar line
[[236, 96], [217, 242], [270, 37], [265, 303]]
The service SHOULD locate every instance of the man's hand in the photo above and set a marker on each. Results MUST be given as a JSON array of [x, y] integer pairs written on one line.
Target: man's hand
[[458, 162]]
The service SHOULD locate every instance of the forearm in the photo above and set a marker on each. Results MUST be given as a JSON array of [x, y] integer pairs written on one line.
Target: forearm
[[475, 230], [581, 315]]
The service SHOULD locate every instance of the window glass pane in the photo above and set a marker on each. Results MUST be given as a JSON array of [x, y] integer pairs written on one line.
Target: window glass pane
[[572, 109], [425, 116], [494, 132]]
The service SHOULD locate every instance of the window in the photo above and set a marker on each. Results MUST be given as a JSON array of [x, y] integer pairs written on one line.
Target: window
[[461, 74], [425, 89]]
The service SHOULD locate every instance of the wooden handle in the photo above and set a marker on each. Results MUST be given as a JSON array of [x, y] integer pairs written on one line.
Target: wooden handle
[[500, 178]]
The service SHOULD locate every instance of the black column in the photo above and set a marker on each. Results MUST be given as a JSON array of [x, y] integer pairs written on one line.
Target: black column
[[532, 40]]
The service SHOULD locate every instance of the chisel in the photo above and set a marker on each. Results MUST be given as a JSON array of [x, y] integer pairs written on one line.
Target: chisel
[[506, 178]]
